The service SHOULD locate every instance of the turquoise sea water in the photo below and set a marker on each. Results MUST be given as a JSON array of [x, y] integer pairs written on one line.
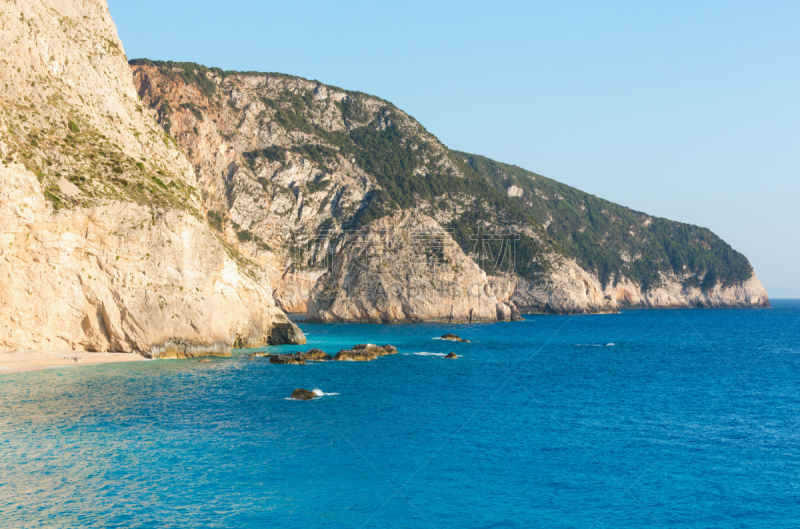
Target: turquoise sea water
[[665, 418]]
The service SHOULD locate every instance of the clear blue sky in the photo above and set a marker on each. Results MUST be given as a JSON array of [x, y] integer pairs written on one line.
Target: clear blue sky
[[685, 110]]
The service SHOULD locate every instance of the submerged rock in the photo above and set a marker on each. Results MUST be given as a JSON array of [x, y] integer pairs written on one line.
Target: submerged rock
[[452, 356], [303, 394], [453, 338], [294, 359], [312, 355]]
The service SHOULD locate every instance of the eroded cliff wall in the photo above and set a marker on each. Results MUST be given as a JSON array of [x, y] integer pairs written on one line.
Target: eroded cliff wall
[[405, 268], [103, 242]]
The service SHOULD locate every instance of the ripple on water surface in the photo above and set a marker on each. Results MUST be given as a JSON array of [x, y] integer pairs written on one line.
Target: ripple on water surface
[[542, 423]]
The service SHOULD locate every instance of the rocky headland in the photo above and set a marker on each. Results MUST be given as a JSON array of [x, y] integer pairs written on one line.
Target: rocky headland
[[299, 176]]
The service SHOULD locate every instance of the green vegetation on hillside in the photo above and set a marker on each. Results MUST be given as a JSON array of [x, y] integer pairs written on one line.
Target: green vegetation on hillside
[[75, 151], [413, 171], [598, 232]]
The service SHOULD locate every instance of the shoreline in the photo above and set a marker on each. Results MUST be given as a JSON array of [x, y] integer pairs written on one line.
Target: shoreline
[[21, 361]]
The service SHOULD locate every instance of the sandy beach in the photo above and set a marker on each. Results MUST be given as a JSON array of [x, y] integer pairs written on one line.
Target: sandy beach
[[17, 361]]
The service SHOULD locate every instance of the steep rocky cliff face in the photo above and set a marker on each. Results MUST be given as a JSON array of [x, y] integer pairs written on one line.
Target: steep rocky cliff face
[[568, 289], [271, 156], [288, 167], [102, 243], [405, 268]]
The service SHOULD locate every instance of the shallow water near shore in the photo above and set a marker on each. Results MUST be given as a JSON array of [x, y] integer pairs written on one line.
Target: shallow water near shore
[[652, 418]]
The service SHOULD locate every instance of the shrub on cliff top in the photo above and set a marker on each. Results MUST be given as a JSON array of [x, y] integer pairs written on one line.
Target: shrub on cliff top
[[189, 72]]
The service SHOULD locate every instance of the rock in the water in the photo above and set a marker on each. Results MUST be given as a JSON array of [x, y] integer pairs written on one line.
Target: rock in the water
[[303, 394], [293, 359], [283, 332], [317, 355], [451, 355], [389, 350], [379, 350], [453, 338], [203, 360], [351, 355]]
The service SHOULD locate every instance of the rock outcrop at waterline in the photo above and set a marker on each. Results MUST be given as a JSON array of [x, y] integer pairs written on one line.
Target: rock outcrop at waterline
[[571, 290], [317, 355], [102, 244], [303, 394], [313, 355], [291, 359], [567, 289], [404, 268], [673, 293], [364, 353]]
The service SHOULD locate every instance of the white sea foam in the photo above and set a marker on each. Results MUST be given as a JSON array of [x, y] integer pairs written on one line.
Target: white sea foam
[[610, 344], [438, 338], [594, 345], [425, 353], [319, 393]]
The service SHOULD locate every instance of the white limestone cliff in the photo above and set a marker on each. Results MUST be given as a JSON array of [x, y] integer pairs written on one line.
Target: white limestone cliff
[[567, 289], [671, 293], [102, 246]]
